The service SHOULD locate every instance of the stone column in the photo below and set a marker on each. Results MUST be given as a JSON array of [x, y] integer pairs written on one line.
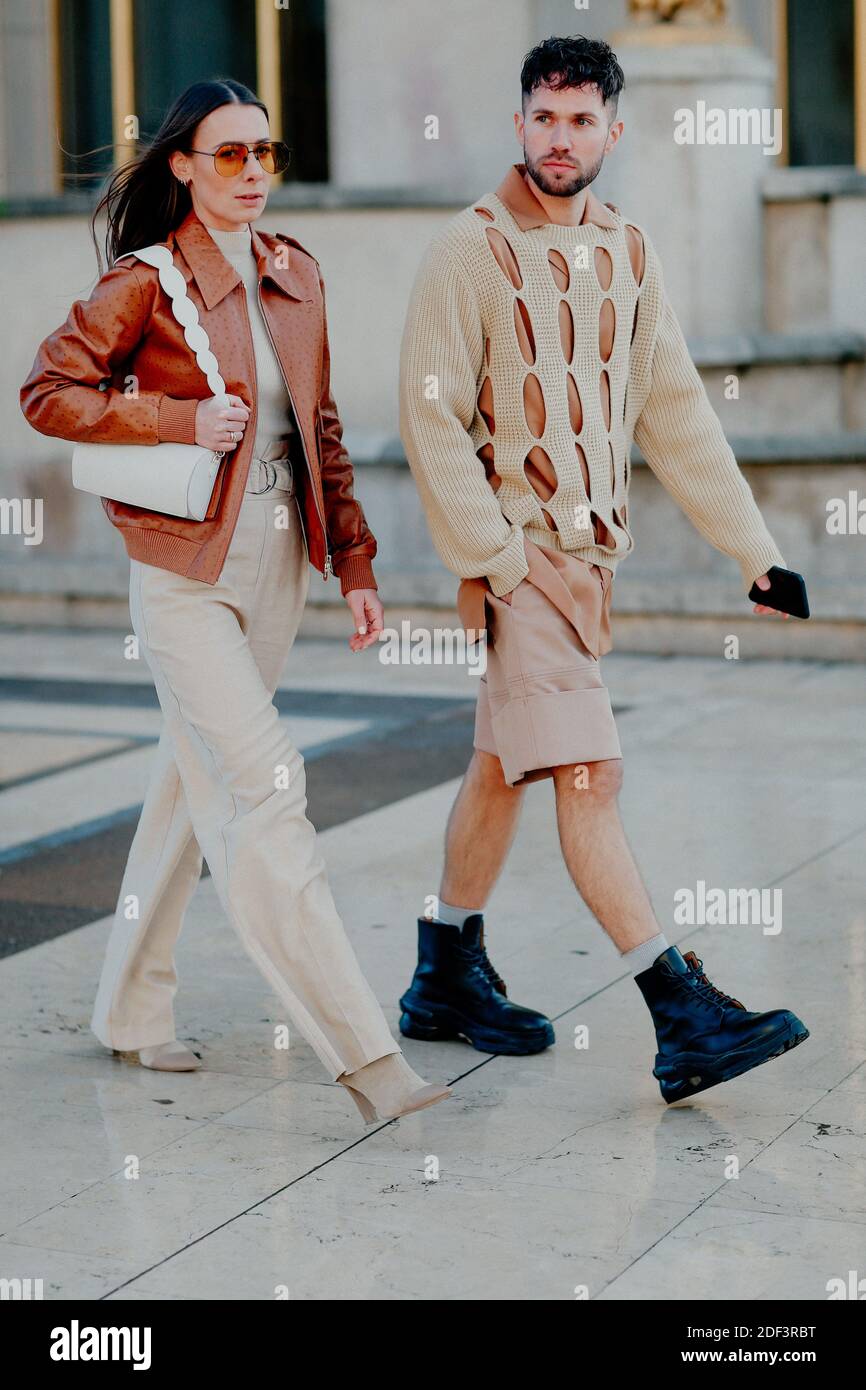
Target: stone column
[[692, 84], [28, 100], [422, 95]]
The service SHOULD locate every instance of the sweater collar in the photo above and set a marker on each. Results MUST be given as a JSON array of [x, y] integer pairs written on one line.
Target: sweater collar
[[527, 211], [215, 276]]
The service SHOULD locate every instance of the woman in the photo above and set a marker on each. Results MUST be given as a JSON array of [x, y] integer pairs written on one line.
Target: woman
[[216, 603]]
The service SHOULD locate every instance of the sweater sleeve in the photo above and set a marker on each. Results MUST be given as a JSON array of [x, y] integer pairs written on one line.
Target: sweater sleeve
[[440, 361], [681, 438], [62, 394]]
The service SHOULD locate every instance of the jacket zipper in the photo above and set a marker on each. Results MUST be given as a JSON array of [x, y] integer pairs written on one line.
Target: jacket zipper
[[329, 568]]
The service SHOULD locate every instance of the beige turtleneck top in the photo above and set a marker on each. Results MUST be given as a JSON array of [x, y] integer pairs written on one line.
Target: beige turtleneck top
[[275, 416]]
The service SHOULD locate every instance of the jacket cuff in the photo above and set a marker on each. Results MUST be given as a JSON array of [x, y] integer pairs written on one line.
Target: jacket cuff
[[355, 572], [176, 423]]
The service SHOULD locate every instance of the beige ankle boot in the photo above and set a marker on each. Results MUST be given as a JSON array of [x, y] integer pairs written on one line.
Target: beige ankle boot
[[388, 1087]]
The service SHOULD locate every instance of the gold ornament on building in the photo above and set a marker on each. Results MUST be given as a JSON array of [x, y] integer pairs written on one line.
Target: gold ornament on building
[[669, 23], [679, 11]]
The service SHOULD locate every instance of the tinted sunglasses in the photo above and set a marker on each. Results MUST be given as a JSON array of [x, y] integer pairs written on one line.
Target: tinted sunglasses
[[230, 160]]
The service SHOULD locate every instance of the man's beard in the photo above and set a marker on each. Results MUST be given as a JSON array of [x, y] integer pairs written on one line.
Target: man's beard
[[560, 190]]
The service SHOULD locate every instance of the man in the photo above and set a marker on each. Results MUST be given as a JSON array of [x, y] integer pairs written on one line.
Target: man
[[539, 341]]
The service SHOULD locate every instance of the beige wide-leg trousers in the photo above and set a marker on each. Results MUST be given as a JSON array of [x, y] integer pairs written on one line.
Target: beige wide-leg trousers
[[228, 783]]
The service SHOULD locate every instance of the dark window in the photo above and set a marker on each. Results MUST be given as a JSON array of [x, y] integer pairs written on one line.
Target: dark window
[[304, 86], [175, 45], [821, 82], [85, 92]]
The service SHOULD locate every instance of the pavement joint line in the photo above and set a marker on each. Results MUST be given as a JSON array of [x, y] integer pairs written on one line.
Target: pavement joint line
[[709, 1196], [702, 926], [700, 1202], [83, 829], [290, 698], [362, 1138], [430, 740], [483, 1060], [60, 731], [133, 742], [373, 1131], [56, 770]]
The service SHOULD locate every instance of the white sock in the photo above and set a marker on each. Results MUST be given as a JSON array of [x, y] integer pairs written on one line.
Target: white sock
[[453, 916], [641, 957]]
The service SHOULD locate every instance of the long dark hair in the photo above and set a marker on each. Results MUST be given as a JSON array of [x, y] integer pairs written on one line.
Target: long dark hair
[[144, 200]]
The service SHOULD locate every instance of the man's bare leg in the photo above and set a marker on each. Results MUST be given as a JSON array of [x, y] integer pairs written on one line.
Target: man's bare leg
[[692, 1055], [597, 853], [480, 832], [455, 991]]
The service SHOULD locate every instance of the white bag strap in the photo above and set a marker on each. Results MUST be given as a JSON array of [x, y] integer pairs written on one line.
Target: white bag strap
[[183, 309]]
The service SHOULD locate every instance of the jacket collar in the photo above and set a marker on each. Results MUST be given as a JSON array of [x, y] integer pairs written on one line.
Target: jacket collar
[[515, 193], [215, 276]]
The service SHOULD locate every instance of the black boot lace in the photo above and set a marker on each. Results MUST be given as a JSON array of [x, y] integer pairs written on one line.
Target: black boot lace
[[708, 989], [477, 956], [488, 967], [491, 974]]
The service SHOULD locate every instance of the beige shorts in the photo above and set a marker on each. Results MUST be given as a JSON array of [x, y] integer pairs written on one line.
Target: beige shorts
[[542, 703]]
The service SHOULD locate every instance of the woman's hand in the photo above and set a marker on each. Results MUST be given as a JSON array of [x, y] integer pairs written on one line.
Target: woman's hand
[[368, 614], [216, 419]]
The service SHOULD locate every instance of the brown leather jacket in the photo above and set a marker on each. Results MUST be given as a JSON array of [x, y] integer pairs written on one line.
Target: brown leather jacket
[[126, 328]]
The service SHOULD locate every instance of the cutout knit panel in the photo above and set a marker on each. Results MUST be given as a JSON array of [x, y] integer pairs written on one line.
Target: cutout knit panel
[[561, 340]]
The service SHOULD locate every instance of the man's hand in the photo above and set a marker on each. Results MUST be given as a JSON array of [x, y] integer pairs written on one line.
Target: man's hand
[[368, 615], [763, 582]]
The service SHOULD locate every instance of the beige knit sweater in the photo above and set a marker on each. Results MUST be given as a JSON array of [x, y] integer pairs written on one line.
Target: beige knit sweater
[[472, 326]]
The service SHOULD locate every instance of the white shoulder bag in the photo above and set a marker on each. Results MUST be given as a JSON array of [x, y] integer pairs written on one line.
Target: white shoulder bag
[[168, 477]]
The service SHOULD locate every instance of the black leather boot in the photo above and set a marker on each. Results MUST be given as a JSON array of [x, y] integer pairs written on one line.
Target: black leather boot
[[456, 993], [703, 1035]]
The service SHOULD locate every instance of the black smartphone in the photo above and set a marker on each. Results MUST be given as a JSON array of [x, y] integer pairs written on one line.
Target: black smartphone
[[787, 592]]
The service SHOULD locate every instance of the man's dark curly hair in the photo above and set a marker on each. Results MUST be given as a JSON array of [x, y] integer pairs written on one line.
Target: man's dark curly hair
[[573, 62]]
